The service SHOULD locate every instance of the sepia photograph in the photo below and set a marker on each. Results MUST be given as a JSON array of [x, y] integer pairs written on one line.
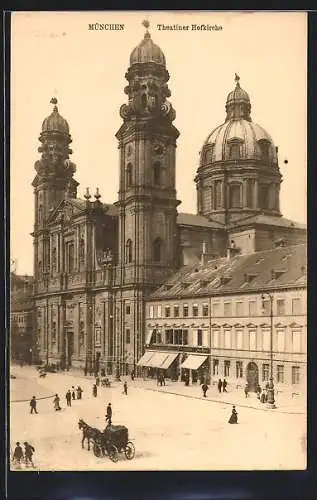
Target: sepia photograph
[[158, 241]]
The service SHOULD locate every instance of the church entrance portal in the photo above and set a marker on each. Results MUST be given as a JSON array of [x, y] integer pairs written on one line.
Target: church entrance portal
[[252, 376]]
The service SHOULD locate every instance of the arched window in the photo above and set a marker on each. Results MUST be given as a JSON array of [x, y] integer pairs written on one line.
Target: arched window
[[129, 175], [40, 213], [264, 149], [263, 196], [157, 174], [235, 196], [234, 151], [218, 197], [54, 260], [70, 257], [128, 251], [157, 250]]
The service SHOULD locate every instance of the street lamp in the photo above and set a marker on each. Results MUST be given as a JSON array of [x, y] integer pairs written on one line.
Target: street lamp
[[270, 390]]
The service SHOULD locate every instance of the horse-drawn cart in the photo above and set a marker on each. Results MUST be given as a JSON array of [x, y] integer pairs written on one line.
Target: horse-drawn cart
[[114, 440]]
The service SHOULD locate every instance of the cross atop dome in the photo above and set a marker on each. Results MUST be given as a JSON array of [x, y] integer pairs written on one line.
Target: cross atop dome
[[54, 101], [146, 24]]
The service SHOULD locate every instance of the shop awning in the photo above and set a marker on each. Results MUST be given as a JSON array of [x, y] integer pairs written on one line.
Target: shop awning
[[158, 359], [144, 360], [169, 360], [193, 362]]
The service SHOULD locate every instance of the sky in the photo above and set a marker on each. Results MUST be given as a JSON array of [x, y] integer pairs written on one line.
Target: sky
[[55, 54]]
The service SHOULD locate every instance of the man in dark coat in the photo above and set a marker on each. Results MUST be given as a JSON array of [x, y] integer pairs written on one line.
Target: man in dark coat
[[28, 453], [73, 392], [94, 390], [219, 385], [125, 388], [17, 454], [205, 389], [33, 405], [109, 414], [69, 398], [224, 385]]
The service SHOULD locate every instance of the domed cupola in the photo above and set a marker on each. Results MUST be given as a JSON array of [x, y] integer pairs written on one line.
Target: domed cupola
[[55, 122], [147, 90], [238, 103], [238, 168], [147, 51]]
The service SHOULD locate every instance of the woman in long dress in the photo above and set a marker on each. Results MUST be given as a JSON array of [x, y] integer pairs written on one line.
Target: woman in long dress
[[234, 416], [56, 403]]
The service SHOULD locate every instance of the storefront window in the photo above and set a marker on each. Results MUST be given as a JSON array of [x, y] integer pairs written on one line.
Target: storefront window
[[239, 369], [265, 372], [295, 374], [199, 337], [227, 368], [215, 366], [280, 374]]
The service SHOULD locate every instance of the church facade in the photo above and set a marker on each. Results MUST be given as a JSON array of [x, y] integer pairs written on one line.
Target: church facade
[[96, 264]]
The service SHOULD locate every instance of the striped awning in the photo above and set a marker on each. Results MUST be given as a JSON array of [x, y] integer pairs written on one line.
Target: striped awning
[[193, 362], [158, 359], [145, 359], [169, 360]]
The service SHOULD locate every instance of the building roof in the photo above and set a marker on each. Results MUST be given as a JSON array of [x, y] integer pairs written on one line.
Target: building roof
[[184, 219], [270, 269], [268, 220]]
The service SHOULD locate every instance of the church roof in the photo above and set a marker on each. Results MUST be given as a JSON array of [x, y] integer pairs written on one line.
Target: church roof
[[267, 220], [283, 267], [185, 219]]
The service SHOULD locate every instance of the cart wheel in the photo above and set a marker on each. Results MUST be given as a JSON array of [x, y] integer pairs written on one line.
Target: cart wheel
[[97, 450], [129, 450], [113, 453]]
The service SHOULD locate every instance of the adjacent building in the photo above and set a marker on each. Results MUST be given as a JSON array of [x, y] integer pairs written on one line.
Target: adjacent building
[[23, 346], [217, 319], [96, 264]]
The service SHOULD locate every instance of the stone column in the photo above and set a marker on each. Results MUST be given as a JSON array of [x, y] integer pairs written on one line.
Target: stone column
[[245, 193], [255, 195]]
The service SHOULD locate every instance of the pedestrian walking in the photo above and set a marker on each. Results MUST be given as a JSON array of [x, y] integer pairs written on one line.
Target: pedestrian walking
[[233, 417], [33, 405], [68, 397], [85, 371], [163, 379], [258, 392], [125, 388], [28, 454], [109, 414], [56, 402], [224, 385], [132, 375], [205, 389], [97, 381], [73, 392], [79, 392], [246, 390], [17, 455], [94, 390], [219, 385]]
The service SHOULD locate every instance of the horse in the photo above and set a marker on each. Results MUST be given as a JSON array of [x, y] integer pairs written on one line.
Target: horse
[[89, 433]]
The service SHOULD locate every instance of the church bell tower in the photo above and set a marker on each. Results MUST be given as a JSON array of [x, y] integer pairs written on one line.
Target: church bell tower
[[147, 197]]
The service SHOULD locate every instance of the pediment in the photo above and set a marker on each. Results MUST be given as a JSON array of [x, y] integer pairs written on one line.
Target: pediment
[[66, 211]]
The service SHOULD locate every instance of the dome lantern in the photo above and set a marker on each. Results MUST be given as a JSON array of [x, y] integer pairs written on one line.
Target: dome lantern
[[55, 122], [147, 51], [238, 103]]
